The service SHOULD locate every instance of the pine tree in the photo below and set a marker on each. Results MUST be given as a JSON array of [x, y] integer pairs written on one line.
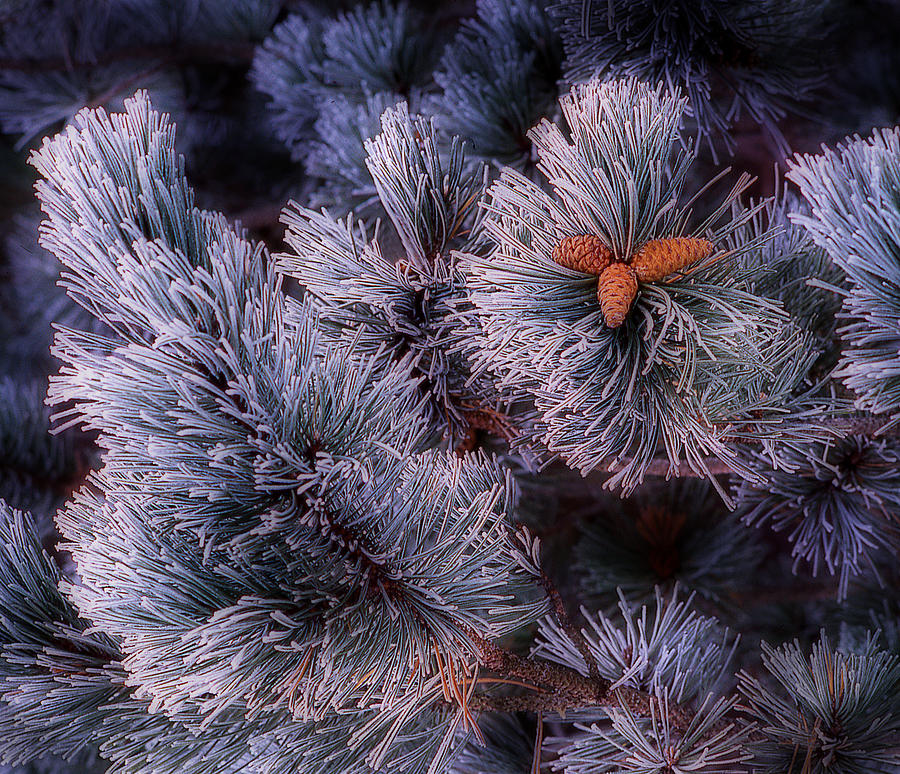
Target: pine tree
[[533, 441]]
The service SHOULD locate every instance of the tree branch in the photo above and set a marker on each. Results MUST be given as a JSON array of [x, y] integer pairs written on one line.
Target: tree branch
[[564, 688], [574, 634], [662, 467]]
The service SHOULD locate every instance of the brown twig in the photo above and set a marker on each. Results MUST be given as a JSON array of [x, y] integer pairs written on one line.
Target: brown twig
[[873, 426], [662, 467], [538, 745], [566, 689], [562, 680], [573, 633]]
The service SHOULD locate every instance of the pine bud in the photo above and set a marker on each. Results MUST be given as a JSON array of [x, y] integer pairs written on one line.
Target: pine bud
[[584, 252], [660, 257], [617, 289]]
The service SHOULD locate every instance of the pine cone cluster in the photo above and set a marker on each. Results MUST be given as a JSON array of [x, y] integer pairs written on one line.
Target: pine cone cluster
[[618, 281]]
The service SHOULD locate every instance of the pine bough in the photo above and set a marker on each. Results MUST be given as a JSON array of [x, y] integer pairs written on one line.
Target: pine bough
[[286, 562]]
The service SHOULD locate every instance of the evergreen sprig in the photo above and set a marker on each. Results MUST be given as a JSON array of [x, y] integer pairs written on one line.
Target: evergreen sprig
[[380, 48], [37, 469], [838, 501], [337, 155], [700, 361], [46, 658], [799, 273], [287, 68], [667, 647], [410, 306], [677, 532], [297, 555], [673, 654], [59, 56], [853, 195], [318, 572], [710, 744], [833, 711], [732, 58], [499, 77], [51, 663]]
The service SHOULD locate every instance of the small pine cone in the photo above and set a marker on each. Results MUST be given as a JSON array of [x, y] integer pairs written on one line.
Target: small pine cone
[[660, 257], [584, 252], [616, 291]]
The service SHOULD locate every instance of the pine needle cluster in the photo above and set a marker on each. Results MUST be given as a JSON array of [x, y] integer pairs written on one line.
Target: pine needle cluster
[[393, 490]]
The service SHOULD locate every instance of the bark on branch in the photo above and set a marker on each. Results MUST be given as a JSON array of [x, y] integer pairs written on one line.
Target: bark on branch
[[562, 689]]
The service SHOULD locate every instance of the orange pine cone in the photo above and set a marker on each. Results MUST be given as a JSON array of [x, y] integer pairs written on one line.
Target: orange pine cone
[[584, 252], [616, 291], [658, 258]]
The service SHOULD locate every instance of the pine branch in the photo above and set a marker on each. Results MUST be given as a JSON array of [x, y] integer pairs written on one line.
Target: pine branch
[[872, 426], [661, 466], [564, 688], [567, 682], [562, 618], [633, 391]]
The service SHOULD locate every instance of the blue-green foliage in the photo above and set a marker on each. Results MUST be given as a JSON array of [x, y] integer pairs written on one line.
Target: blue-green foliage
[[838, 502], [337, 155], [287, 69], [833, 711], [61, 55], [854, 197], [272, 558], [379, 48], [382, 46], [46, 656], [709, 744], [674, 532], [699, 352], [36, 468], [499, 78], [669, 651], [799, 273], [666, 646], [330, 78], [63, 687], [405, 303], [732, 58], [280, 567], [508, 747]]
